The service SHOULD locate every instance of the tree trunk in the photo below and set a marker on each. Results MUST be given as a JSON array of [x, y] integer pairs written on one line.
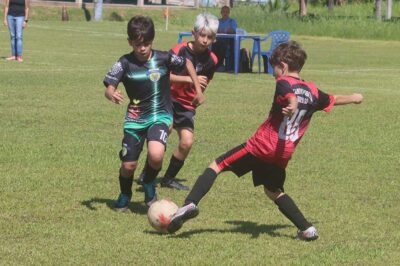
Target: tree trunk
[[378, 10], [331, 3], [389, 9], [303, 8]]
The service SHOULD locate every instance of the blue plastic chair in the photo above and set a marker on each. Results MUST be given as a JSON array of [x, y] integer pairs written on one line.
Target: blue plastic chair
[[277, 37]]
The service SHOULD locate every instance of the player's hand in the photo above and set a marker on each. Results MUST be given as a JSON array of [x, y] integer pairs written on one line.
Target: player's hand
[[289, 110], [199, 99], [115, 96], [357, 98], [5, 22], [203, 80]]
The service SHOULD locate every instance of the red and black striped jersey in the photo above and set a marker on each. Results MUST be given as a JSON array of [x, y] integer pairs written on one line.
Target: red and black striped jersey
[[205, 65], [276, 139]]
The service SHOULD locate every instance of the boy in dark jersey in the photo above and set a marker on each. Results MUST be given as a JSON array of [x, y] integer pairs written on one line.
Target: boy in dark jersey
[[145, 75], [267, 152], [182, 91]]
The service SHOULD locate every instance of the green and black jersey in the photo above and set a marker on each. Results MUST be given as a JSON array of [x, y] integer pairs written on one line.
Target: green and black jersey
[[147, 86]]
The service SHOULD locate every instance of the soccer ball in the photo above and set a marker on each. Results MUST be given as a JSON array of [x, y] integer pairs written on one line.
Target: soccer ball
[[160, 214]]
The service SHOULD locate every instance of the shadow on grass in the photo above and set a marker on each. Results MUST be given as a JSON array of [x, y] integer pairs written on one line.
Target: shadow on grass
[[136, 207], [243, 227]]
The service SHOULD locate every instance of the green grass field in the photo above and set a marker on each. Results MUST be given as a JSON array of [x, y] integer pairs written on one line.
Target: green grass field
[[60, 138]]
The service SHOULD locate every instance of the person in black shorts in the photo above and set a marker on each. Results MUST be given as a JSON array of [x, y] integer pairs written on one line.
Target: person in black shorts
[[267, 153], [145, 75]]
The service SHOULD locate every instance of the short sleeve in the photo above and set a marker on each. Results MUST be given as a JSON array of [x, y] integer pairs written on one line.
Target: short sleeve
[[283, 91], [325, 101], [176, 62], [115, 74]]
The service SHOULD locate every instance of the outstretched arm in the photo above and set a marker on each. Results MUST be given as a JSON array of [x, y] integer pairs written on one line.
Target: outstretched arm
[[356, 98]]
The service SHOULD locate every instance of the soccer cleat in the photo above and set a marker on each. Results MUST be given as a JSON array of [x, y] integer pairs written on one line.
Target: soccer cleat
[[122, 202], [172, 183], [308, 235], [183, 214], [150, 195]]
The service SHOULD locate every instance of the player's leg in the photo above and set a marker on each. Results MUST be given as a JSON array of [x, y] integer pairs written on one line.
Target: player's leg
[[132, 145], [186, 138], [273, 179], [157, 137], [235, 160], [184, 125]]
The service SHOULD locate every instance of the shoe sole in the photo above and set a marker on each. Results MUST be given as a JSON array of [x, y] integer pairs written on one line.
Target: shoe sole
[[175, 187], [123, 209], [177, 223]]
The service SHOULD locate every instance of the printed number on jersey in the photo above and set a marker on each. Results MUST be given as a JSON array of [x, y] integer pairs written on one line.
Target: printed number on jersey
[[289, 128]]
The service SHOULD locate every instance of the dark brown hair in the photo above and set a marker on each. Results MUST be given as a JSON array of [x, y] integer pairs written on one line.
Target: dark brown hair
[[141, 28], [290, 53]]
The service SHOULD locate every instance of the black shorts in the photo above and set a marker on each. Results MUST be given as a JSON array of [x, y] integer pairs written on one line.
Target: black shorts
[[240, 161], [133, 141], [183, 117]]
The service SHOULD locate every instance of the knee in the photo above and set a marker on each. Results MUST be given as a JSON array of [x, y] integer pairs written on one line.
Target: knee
[[273, 195], [155, 159], [128, 168], [186, 144]]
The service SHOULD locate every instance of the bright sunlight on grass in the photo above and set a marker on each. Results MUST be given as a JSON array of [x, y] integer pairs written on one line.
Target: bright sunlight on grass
[[59, 160]]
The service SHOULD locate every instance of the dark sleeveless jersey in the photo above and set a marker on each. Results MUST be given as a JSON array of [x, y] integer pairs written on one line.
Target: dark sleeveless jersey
[[147, 86], [16, 8], [276, 139], [205, 65]]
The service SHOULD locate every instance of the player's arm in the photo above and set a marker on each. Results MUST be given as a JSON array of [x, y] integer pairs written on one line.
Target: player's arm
[[114, 95], [6, 4], [291, 107], [186, 79], [199, 98], [355, 98]]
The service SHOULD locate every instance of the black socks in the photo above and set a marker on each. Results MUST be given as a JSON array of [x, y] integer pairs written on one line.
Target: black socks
[[174, 167], [202, 186], [291, 211], [125, 184]]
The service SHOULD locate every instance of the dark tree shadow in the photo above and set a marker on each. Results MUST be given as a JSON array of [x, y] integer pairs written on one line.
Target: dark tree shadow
[[116, 17], [88, 17], [243, 227], [136, 207]]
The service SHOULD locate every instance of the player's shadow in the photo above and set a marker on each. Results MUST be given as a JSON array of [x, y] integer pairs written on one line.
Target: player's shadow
[[243, 227], [136, 207]]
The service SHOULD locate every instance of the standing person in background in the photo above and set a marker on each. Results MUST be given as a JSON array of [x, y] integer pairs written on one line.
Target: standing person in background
[[222, 46], [16, 14]]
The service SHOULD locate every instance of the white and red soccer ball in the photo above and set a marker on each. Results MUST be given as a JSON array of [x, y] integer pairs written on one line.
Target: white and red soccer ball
[[160, 214]]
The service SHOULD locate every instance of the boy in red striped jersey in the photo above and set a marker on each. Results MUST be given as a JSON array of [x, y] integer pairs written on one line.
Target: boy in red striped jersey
[[267, 153]]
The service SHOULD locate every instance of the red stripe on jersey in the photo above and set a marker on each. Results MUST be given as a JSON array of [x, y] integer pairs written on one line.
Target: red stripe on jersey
[[282, 100], [214, 57], [231, 158], [178, 47], [331, 104]]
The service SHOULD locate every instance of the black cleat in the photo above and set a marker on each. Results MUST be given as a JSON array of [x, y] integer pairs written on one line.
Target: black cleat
[[183, 214], [172, 183]]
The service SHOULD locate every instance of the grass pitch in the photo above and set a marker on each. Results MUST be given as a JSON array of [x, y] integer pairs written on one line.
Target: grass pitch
[[60, 138]]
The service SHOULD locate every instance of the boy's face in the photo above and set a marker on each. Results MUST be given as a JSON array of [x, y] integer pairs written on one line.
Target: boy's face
[[142, 50], [225, 13], [202, 40]]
